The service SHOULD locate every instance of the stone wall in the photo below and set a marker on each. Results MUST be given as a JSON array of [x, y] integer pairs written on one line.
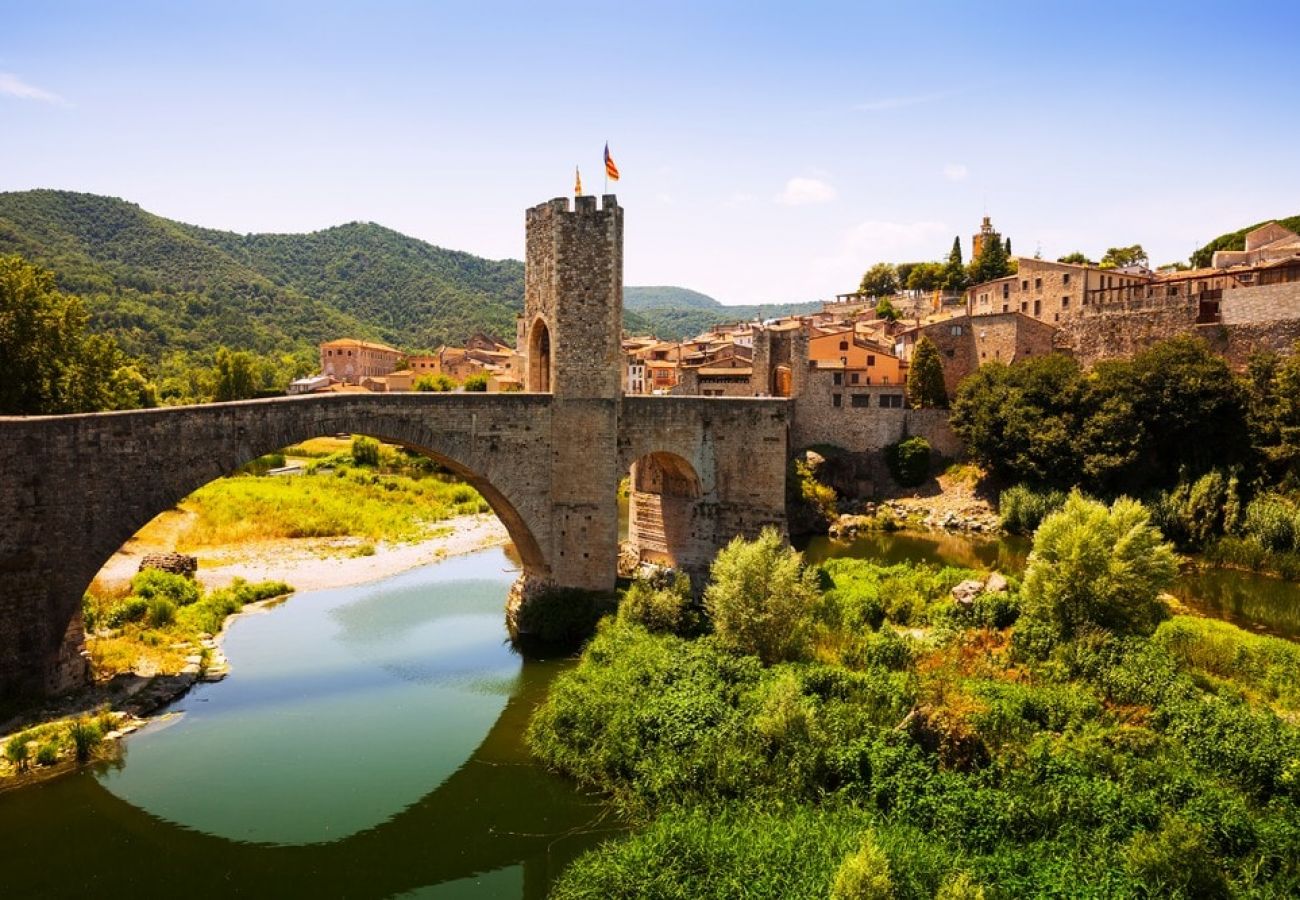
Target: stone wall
[[863, 428]]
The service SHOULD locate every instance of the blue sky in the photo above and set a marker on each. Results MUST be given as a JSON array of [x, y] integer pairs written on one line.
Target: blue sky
[[770, 152]]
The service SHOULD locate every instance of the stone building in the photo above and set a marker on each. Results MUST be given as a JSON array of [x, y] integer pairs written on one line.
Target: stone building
[[967, 342], [1267, 243], [351, 360], [1051, 292]]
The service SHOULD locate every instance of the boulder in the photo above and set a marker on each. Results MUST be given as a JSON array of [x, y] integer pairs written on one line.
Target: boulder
[[996, 583], [966, 592]]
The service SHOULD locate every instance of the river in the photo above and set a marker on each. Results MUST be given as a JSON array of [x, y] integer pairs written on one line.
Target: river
[[1256, 602], [368, 743]]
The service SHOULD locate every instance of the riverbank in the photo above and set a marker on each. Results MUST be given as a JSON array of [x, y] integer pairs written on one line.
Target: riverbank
[[132, 699]]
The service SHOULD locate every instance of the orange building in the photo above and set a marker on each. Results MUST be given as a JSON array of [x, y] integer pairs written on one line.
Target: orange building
[[862, 361]]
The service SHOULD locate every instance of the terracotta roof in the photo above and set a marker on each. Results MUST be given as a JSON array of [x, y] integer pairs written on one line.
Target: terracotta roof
[[713, 370], [366, 345]]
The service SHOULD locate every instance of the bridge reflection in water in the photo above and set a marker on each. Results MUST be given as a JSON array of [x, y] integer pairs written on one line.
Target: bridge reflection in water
[[193, 812]]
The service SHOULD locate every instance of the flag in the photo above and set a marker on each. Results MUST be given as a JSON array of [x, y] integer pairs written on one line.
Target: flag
[[577, 182], [610, 169]]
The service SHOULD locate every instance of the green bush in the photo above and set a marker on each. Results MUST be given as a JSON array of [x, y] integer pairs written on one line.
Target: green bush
[[436, 383], [1176, 861], [18, 750], [760, 597], [48, 754], [161, 612], [86, 736], [365, 451], [1270, 520], [1097, 567], [559, 617], [1022, 508], [129, 609], [478, 382], [666, 610], [864, 874], [154, 583], [909, 461]]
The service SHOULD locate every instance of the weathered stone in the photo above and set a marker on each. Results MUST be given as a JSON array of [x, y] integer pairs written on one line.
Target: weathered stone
[[995, 583], [175, 563], [966, 592]]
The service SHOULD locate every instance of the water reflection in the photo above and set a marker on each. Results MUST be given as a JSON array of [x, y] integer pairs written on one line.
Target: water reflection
[[368, 743]]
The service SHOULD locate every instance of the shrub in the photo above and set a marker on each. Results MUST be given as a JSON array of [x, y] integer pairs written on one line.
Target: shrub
[[18, 750], [477, 383], [559, 617], [155, 583], [161, 612], [437, 383], [365, 451], [1094, 566], [1176, 860], [960, 886], [669, 609], [1270, 520], [130, 609], [86, 736], [909, 461], [1023, 509], [760, 597], [864, 875], [48, 754]]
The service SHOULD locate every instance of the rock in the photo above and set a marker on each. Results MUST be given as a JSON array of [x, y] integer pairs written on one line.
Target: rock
[[996, 583], [966, 592], [176, 563]]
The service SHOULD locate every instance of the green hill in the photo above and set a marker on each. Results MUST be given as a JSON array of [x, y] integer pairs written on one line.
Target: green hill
[[665, 296], [1236, 240]]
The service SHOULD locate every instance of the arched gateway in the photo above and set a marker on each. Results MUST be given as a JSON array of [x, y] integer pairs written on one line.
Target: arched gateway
[[75, 488]]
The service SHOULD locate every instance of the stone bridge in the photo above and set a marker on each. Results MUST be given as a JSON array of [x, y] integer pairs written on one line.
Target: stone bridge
[[549, 461]]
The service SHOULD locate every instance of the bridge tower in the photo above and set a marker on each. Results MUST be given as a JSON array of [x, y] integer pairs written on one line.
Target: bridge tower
[[573, 321]]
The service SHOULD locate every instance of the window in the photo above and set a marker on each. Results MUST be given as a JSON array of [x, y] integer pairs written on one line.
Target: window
[[1006, 289], [891, 401], [955, 331], [837, 379], [1024, 306], [859, 401], [837, 400], [1004, 307], [951, 354], [844, 345], [1065, 279], [1024, 285], [871, 360], [1038, 284], [854, 378], [1038, 307], [1065, 303]]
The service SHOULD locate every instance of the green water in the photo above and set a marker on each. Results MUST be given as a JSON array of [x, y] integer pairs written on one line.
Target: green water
[[1257, 602], [368, 743]]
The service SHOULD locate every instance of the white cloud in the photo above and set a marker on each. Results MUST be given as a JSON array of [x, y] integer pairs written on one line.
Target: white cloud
[[886, 103], [955, 172], [805, 192], [13, 86], [872, 242]]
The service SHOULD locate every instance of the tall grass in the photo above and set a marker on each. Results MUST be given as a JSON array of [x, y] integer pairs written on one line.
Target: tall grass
[[344, 503]]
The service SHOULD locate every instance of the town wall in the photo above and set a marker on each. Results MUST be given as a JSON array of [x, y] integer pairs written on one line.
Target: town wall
[[864, 428]]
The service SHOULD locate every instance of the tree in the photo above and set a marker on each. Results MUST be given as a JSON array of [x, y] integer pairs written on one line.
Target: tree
[[881, 280], [1097, 567], [993, 261], [476, 382], [1120, 257], [887, 310], [49, 362], [760, 598], [235, 378], [903, 271], [928, 276], [1022, 421], [954, 272], [1008, 248], [1077, 258], [925, 385], [439, 383]]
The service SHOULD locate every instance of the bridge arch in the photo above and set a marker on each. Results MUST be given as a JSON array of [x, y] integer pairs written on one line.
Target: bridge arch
[[116, 471]]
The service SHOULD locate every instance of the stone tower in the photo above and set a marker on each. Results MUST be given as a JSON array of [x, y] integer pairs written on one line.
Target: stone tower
[[573, 323]]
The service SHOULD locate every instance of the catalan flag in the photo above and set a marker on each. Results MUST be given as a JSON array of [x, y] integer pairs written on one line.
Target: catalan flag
[[577, 182], [611, 170]]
